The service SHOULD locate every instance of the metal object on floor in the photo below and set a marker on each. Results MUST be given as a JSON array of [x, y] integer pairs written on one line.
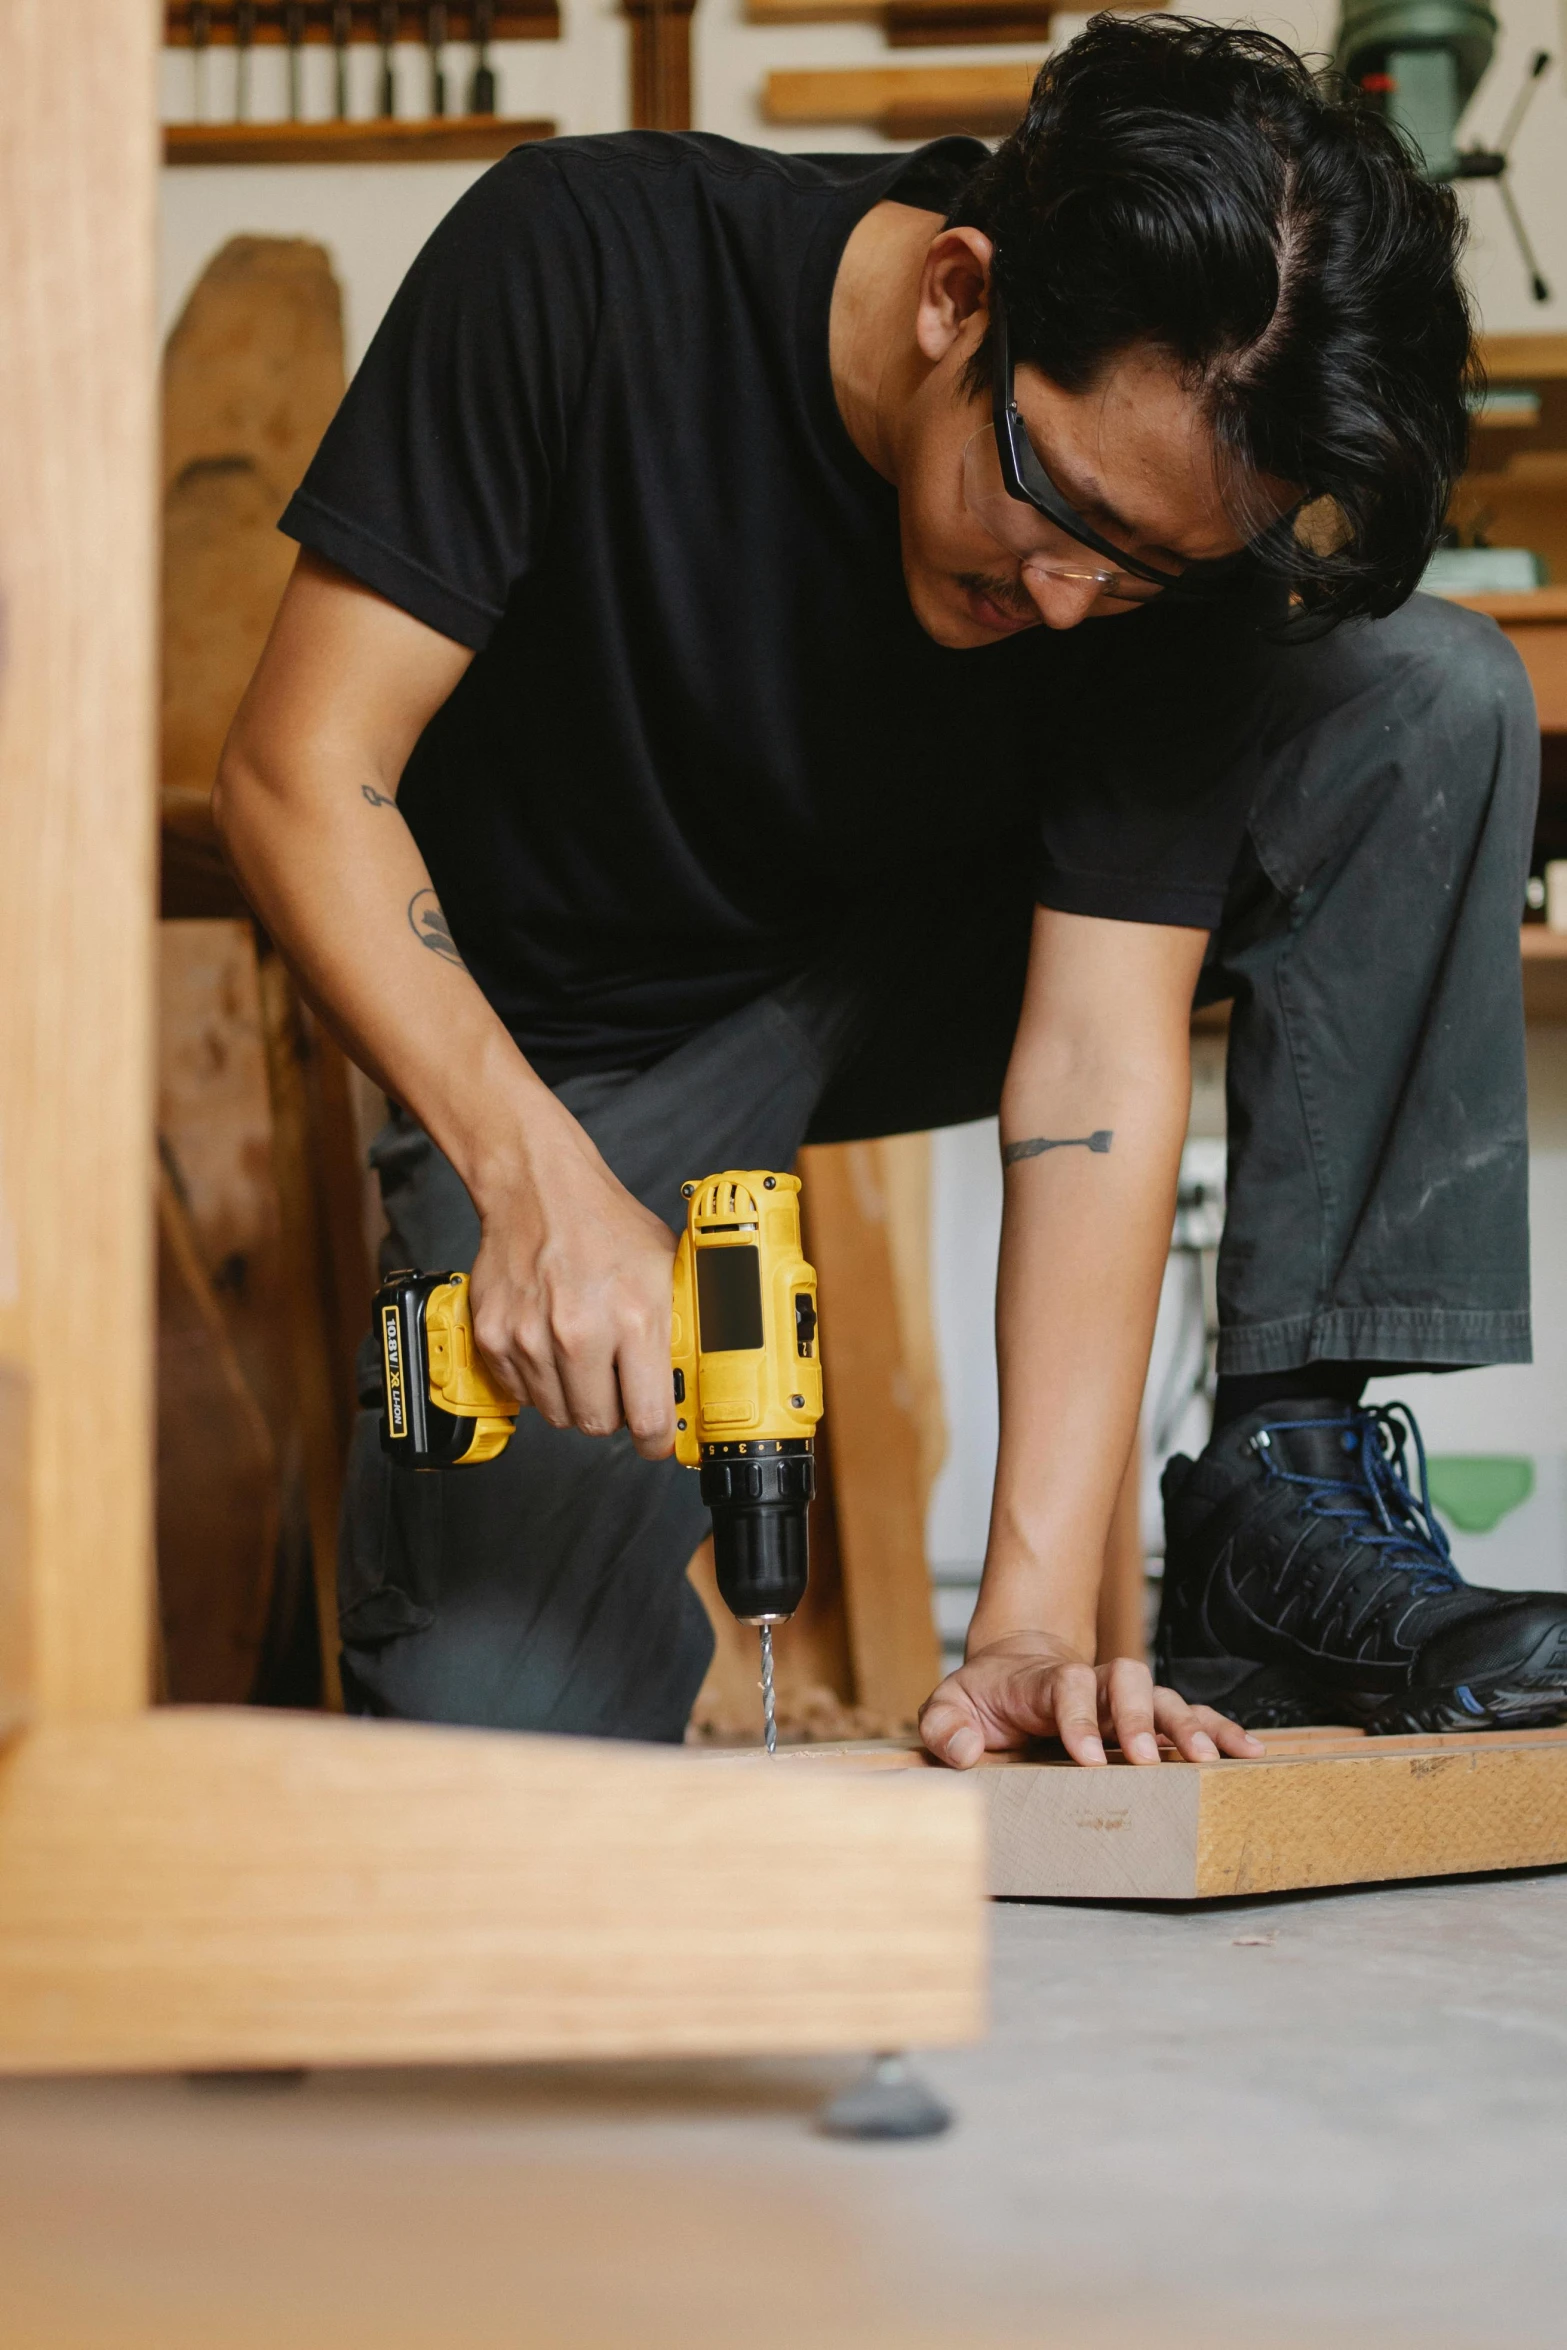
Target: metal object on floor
[[888, 2101]]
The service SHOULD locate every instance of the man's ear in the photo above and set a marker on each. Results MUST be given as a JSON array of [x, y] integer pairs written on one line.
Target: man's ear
[[954, 292]]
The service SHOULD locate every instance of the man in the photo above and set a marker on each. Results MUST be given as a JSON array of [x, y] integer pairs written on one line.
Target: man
[[796, 648]]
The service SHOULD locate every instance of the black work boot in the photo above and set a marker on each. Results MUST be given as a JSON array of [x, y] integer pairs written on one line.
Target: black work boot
[[1305, 1581]]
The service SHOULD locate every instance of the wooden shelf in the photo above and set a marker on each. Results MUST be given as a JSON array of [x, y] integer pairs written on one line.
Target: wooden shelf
[[1522, 608], [924, 23], [461, 138], [1527, 358], [905, 101]]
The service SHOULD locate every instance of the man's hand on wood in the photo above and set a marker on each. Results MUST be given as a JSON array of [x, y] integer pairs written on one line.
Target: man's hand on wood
[[1029, 1686]]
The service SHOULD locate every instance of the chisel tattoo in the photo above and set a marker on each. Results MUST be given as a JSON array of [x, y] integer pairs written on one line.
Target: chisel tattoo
[[430, 927], [1099, 1141]]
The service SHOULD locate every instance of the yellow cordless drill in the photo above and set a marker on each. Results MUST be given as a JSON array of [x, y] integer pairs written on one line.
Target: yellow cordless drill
[[746, 1362]]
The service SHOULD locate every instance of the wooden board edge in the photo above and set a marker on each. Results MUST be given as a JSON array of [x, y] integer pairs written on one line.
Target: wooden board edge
[[1460, 1809], [225, 1887]]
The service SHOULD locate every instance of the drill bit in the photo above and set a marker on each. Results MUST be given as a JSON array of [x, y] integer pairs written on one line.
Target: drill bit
[[769, 1710]]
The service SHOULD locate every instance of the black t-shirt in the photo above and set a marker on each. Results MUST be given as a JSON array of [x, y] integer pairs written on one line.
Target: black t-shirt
[[596, 440]]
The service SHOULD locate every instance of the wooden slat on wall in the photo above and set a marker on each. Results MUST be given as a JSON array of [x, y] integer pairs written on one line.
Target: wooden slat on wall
[[78, 370], [905, 101]]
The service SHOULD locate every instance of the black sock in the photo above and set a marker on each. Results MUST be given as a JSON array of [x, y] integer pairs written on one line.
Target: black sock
[[1249, 1391]]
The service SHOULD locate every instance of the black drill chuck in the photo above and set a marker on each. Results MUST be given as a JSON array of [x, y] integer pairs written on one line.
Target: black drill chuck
[[759, 1494]]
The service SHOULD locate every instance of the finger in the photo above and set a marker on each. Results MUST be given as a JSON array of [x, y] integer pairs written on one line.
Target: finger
[[522, 1359], [950, 1727], [592, 1390], [1074, 1701], [1199, 1734], [646, 1389], [1127, 1698], [1228, 1736]]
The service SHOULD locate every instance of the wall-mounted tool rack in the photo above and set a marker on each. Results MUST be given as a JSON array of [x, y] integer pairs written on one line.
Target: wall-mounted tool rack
[[537, 20], [461, 124]]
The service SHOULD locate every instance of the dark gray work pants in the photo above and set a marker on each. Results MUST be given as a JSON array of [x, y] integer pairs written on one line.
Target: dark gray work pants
[[1377, 1159]]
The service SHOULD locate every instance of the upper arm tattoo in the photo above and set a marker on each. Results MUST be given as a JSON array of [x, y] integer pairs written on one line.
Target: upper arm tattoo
[[1100, 1140], [430, 927]]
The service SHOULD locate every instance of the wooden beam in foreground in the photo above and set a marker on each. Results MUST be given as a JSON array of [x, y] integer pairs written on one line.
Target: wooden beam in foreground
[[227, 1888], [78, 595], [1326, 1807]]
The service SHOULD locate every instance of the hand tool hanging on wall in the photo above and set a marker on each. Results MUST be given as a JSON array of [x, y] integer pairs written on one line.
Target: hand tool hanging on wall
[[342, 32], [435, 42], [244, 40], [200, 41], [747, 1375], [294, 35], [386, 22], [481, 92]]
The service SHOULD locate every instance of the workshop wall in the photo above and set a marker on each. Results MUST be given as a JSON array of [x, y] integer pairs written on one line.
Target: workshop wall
[[375, 216]]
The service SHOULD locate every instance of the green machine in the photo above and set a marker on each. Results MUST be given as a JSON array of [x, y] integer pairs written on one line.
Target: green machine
[[1420, 62]]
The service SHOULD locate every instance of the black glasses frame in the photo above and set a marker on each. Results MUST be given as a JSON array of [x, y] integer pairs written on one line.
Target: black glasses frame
[[1025, 478]]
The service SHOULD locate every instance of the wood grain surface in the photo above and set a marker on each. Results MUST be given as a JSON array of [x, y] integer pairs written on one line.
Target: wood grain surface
[[240, 1888], [1325, 1806], [985, 98], [78, 368], [879, 1453]]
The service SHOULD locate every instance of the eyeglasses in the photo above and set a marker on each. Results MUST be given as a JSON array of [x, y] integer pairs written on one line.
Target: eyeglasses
[[1008, 491]]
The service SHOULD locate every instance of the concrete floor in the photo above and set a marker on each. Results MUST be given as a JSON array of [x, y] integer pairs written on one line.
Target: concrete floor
[[1304, 2120]]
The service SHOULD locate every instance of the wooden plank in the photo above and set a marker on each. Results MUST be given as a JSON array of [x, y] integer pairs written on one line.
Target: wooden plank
[[1507, 358], [983, 98], [660, 63], [217, 1484], [199, 1888], [875, 1433], [309, 1287], [77, 588], [1324, 1807], [472, 138], [15, 1551], [924, 23]]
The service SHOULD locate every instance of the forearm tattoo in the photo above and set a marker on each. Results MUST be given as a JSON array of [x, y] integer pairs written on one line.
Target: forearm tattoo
[[1099, 1141], [430, 927], [377, 799]]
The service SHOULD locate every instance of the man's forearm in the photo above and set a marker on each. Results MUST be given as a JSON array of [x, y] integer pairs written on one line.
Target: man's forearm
[[1092, 1157], [335, 874]]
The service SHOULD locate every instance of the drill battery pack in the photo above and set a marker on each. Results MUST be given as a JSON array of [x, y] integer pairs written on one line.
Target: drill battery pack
[[443, 1410]]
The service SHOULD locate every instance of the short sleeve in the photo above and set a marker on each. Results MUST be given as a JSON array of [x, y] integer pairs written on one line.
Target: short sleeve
[[433, 483], [1152, 773]]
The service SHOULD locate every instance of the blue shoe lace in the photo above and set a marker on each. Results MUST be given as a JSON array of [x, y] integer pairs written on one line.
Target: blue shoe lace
[[1374, 1501]]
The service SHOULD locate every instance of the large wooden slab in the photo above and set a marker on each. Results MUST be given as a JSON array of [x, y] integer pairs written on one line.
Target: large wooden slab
[[1325, 1807], [77, 595], [232, 1888]]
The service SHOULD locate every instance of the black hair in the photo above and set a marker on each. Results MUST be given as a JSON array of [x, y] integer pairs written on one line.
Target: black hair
[[1201, 190]]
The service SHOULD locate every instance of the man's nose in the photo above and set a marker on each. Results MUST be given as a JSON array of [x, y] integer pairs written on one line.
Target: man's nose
[[1060, 603]]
